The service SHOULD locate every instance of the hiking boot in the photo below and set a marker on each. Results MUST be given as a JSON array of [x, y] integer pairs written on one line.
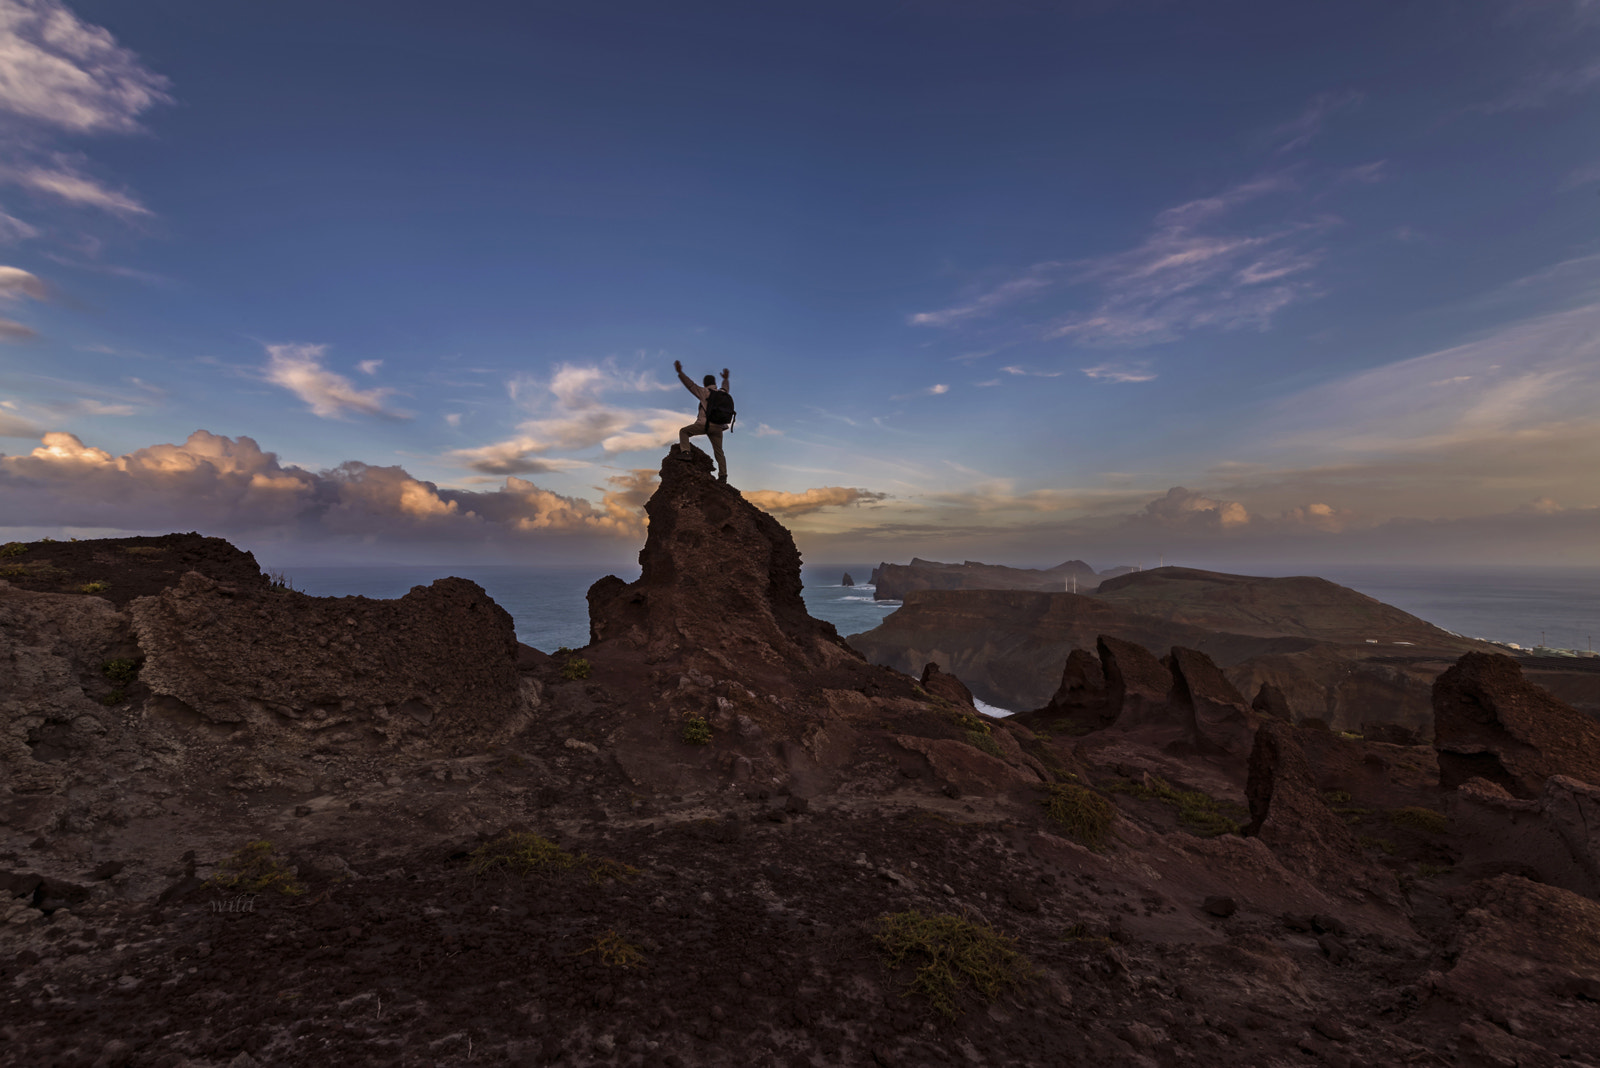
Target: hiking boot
[[682, 455]]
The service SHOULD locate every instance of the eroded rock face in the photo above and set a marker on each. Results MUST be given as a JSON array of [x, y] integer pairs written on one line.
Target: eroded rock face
[[1271, 702], [1287, 814], [440, 661], [720, 583], [1137, 684], [1491, 723], [1222, 720]]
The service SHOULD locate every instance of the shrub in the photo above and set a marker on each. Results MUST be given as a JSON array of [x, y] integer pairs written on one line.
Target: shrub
[[985, 741], [613, 951], [1420, 819], [1080, 812], [1382, 845], [1336, 797], [255, 869], [120, 671], [13, 548], [523, 853], [143, 550], [574, 669], [951, 954], [276, 580], [696, 731], [97, 586]]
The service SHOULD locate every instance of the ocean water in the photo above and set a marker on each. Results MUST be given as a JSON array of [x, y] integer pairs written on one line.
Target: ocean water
[[1556, 607]]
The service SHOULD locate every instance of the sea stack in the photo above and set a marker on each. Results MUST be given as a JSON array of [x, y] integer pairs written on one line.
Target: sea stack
[[847, 580]]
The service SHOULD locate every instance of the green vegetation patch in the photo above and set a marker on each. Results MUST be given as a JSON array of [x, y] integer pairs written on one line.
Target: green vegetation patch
[[1421, 819], [574, 669], [1083, 814], [614, 951], [1336, 797], [13, 548], [524, 854], [120, 671], [985, 741], [696, 731], [256, 869], [143, 550], [1198, 811], [1382, 845], [97, 586], [950, 955]]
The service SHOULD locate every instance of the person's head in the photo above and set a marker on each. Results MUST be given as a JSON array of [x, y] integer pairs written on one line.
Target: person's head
[[709, 380]]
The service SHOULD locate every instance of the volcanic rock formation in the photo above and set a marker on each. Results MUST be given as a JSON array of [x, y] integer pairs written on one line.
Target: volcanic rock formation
[[895, 581], [1490, 723]]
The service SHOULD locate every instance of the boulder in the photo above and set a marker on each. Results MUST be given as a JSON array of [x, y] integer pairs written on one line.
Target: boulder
[[1573, 810], [1491, 723], [941, 684], [847, 580], [1390, 734], [1287, 814]]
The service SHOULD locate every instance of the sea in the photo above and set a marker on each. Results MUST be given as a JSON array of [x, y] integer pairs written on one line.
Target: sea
[[1549, 608]]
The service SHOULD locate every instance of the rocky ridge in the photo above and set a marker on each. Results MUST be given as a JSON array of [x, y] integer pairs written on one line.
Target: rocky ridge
[[726, 806]]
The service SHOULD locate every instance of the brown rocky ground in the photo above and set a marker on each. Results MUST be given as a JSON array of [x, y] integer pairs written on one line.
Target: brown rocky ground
[[723, 903]]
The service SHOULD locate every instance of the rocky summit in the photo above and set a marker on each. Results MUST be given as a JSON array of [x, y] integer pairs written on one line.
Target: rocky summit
[[243, 826]]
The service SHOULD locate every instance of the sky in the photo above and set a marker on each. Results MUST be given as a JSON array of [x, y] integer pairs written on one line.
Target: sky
[[1234, 284]]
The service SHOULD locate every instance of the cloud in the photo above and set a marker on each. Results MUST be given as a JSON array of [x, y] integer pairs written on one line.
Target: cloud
[[10, 330], [1545, 88], [13, 230], [298, 368], [1038, 277], [928, 391], [59, 72], [231, 485], [571, 412], [1185, 510], [812, 500], [369, 367], [1581, 176], [1299, 132], [1014, 370], [16, 283], [15, 426], [1134, 371], [71, 185]]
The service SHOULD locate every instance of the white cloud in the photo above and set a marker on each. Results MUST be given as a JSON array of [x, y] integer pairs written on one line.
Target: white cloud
[[1545, 88], [369, 367], [10, 330], [1038, 277], [298, 368], [1136, 371], [62, 73], [75, 187], [15, 426], [16, 283], [13, 230], [1014, 370], [453, 418]]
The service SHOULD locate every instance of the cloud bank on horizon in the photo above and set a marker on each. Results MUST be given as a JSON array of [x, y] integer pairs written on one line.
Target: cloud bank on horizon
[[1294, 317]]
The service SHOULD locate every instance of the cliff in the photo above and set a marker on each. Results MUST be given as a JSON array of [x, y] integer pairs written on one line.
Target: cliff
[[895, 581]]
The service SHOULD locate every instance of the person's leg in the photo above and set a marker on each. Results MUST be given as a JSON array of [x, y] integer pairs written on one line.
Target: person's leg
[[688, 432], [716, 449]]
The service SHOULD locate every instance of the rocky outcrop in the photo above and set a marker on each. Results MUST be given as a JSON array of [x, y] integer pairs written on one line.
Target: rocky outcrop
[[895, 581], [720, 585], [122, 569], [847, 580], [1287, 814], [1138, 685], [439, 662], [942, 684], [1490, 723], [1220, 719], [1271, 703]]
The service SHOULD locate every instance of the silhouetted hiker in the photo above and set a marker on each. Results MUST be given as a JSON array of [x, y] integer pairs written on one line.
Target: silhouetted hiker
[[715, 406]]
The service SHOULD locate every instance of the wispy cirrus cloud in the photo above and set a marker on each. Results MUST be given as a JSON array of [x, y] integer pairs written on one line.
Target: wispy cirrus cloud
[[811, 500], [298, 368], [1130, 371], [1298, 132], [67, 182], [982, 302], [1545, 88], [16, 283]]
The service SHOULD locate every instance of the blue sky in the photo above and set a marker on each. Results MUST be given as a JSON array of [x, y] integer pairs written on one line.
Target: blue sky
[[1230, 283]]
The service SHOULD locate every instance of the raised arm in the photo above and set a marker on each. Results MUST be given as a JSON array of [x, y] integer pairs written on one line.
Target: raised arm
[[724, 380], [688, 383]]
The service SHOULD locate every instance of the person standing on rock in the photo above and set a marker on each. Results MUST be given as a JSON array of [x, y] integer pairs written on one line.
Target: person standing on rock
[[723, 407]]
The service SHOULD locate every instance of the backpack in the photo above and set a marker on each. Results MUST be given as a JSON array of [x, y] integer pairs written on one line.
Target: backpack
[[719, 408]]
